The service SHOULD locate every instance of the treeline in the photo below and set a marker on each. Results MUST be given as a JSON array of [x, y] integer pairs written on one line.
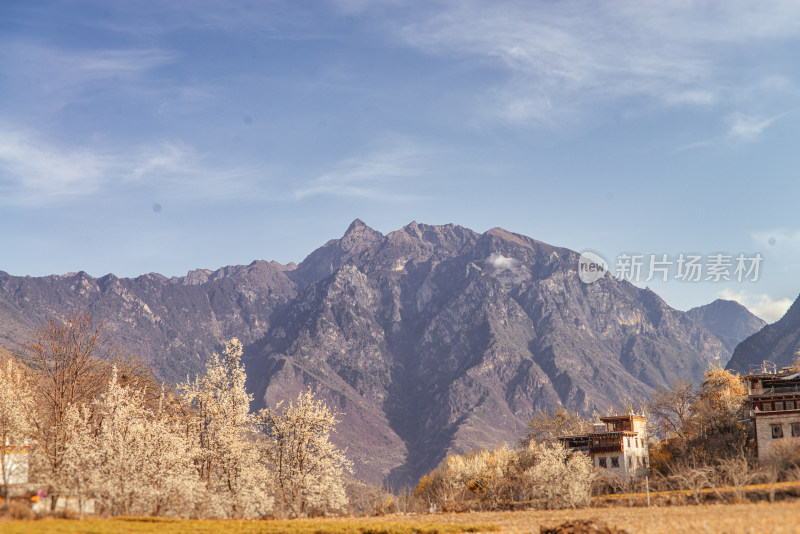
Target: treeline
[[103, 428], [700, 440], [539, 475], [710, 441]]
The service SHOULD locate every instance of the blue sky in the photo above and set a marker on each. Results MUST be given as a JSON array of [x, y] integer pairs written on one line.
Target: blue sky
[[145, 136]]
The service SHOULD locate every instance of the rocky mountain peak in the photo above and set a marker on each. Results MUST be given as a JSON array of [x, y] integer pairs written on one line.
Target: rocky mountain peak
[[357, 226], [729, 320], [431, 340]]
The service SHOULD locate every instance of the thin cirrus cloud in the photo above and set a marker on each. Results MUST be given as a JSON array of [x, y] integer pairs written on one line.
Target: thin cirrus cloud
[[58, 77], [559, 56], [740, 128], [375, 175], [744, 127], [36, 171], [33, 171], [176, 168]]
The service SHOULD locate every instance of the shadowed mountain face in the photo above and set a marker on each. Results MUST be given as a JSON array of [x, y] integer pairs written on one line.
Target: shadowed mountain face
[[778, 342], [728, 320], [430, 340], [436, 340]]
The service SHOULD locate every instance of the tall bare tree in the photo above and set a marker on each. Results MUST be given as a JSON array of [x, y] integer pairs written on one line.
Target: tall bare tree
[[672, 407], [547, 426], [67, 369]]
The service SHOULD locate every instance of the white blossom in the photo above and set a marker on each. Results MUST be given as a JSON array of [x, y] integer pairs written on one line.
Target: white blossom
[[237, 482], [308, 468]]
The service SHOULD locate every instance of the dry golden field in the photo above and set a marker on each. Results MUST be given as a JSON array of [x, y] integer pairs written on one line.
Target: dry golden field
[[761, 518]]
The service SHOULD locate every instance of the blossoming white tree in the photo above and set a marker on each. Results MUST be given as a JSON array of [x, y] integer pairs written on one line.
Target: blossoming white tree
[[308, 468], [237, 482], [132, 459], [554, 478], [16, 402]]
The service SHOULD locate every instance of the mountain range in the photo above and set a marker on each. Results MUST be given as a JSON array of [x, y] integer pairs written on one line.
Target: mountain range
[[778, 343], [428, 340]]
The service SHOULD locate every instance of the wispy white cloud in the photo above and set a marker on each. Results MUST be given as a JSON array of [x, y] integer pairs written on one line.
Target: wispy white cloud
[[559, 58], [382, 174], [744, 127], [178, 169], [35, 171], [740, 128], [57, 77], [761, 304]]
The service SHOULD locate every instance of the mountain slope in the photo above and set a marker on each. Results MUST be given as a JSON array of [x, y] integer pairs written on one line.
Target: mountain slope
[[429, 340], [172, 324], [728, 320], [778, 342], [436, 339]]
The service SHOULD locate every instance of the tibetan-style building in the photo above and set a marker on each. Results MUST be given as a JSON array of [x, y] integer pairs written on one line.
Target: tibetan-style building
[[618, 444], [774, 402]]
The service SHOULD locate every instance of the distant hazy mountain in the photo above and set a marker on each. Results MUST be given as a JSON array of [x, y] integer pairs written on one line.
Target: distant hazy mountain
[[172, 323], [430, 339], [778, 342], [729, 320]]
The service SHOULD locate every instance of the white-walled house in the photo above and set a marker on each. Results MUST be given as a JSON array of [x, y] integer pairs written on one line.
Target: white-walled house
[[14, 463], [617, 444], [774, 402]]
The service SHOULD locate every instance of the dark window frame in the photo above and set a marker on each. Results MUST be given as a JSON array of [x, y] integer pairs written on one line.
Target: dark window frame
[[777, 430]]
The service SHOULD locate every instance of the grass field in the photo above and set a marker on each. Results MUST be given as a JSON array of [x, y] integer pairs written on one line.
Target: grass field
[[300, 526], [761, 518]]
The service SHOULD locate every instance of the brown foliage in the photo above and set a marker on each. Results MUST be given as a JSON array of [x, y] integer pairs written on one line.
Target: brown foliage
[[547, 426], [671, 407], [64, 363]]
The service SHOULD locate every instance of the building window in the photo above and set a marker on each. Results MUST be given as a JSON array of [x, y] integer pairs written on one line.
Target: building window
[[795, 429], [615, 461], [790, 405], [777, 430], [630, 462], [778, 406], [603, 463]]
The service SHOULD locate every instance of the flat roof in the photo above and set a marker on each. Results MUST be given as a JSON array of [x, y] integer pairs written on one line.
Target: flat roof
[[623, 418]]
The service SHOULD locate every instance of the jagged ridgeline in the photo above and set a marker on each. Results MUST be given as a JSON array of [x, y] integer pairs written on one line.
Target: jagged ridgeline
[[430, 340]]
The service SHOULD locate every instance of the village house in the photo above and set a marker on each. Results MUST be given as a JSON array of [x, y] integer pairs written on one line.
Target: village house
[[774, 402], [617, 443], [14, 463]]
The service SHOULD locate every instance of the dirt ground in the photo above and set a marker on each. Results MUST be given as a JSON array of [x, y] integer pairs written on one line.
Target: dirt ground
[[761, 518]]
